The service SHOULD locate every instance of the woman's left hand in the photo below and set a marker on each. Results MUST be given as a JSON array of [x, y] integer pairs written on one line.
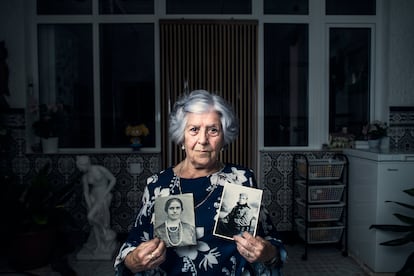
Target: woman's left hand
[[255, 249]]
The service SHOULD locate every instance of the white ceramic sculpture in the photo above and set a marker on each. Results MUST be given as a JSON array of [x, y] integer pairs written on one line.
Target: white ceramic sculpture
[[97, 183]]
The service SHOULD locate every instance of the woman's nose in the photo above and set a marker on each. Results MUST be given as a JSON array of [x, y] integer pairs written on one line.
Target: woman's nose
[[203, 137]]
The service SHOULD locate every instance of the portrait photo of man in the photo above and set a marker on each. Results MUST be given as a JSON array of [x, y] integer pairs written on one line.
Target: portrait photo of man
[[238, 215]]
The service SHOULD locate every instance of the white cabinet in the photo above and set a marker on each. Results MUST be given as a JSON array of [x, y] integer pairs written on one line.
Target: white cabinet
[[375, 177]]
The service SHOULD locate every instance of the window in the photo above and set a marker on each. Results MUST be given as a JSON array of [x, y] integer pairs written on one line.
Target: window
[[102, 60], [127, 81], [349, 78], [286, 7], [105, 95], [126, 7], [64, 7], [66, 77], [209, 6], [285, 85], [350, 7]]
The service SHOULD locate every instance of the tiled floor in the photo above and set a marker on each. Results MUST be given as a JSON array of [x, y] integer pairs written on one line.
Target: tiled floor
[[321, 261]]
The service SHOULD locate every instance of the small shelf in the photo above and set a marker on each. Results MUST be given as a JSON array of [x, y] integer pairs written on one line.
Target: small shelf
[[320, 189]]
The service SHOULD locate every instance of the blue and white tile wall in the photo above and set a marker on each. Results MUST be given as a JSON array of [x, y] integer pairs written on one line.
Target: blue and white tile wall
[[128, 190], [401, 128], [275, 171], [127, 193]]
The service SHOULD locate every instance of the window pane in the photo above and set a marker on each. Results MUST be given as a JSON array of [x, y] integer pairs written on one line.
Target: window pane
[[64, 7], [209, 7], [349, 78], [286, 7], [126, 7], [65, 77], [127, 82], [350, 7], [285, 85]]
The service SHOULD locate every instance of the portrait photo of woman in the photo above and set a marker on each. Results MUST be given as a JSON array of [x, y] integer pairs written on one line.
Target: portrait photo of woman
[[174, 220]]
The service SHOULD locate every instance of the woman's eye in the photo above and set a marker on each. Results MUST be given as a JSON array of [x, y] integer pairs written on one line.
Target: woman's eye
[[193, 130], [213, 131]]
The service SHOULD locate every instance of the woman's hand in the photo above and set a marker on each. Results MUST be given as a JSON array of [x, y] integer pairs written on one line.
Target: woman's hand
[[255, 249], [146, 256]]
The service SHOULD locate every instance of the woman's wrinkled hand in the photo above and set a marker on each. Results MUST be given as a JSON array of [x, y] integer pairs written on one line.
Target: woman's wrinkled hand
[[147, 255], [255, 249]]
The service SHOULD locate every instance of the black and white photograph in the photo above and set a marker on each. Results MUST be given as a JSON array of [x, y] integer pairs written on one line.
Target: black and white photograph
[[174, 221], [238, 212]]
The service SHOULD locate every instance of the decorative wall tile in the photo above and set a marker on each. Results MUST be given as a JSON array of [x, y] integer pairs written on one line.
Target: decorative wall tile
[[126, 196], [275, 171], [401, 130]]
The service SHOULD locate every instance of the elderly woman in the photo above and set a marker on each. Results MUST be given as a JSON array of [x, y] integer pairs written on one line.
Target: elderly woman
[[203, 124]]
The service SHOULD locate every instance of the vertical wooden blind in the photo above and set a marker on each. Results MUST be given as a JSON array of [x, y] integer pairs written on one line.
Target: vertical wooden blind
[[218, 56]]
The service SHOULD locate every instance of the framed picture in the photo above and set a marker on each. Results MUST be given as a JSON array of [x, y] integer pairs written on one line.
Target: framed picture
[[238, 212], [174, 221]]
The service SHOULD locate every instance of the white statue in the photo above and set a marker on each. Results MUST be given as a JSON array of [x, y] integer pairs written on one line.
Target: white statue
[[97, 183]]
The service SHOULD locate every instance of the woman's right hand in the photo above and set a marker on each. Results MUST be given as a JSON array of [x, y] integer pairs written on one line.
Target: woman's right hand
[[146, 256]]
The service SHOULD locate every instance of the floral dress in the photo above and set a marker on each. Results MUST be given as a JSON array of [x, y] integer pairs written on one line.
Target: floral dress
[[212, 255]]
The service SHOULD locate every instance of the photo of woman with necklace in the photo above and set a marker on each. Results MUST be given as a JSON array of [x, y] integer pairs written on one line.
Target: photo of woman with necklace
[[174, 231]]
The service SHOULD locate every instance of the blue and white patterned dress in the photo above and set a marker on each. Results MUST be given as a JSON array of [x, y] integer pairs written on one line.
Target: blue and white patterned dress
[[212, 255]]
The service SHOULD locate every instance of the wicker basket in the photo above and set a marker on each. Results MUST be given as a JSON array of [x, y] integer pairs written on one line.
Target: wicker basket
[[321, 169], [325, 212], [329, 234], [321, 193]]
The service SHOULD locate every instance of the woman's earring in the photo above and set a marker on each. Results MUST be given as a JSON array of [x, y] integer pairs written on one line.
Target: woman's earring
[[182, 147]]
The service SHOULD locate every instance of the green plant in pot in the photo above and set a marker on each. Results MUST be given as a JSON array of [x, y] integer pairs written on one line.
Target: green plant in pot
[[407, 228], [38, 216]]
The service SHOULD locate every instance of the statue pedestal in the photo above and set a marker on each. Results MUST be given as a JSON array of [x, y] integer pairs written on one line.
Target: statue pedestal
[[104, 251], [87, 254]]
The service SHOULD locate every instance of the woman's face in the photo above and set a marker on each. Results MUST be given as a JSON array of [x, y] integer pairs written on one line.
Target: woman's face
[[203, 139], [174, 210]]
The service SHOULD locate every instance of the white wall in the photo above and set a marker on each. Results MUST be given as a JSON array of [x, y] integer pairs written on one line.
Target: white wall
[[401, 53], [12, 22]]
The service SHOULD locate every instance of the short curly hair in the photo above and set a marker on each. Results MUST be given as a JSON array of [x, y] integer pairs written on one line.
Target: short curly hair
[[202, 101]]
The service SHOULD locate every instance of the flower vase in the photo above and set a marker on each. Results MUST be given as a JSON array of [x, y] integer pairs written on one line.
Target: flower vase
[[50, 145], [385, 143], [374, 144]]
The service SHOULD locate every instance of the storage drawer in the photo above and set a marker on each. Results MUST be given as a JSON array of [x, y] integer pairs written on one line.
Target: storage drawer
[[319, 212], [321, 169], [320, 193], [325, 234]]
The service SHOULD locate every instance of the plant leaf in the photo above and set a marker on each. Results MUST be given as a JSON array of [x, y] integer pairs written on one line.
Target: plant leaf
[[400, 241], [409, 191], [405, 219], [402, 204], [396, 242], [392, 227]]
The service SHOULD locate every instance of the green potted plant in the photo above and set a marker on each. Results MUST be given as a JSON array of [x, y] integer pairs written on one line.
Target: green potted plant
[[36, 216], [407, 228]]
